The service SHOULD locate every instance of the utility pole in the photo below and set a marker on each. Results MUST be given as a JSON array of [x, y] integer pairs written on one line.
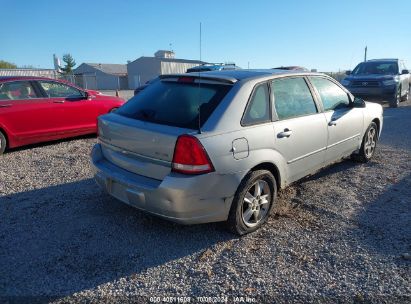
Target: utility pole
[[365, 54], [200, 41]]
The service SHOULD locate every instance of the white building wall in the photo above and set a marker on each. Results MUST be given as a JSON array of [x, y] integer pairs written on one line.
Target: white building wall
[[142, 70], [89, 77], [169, 67]]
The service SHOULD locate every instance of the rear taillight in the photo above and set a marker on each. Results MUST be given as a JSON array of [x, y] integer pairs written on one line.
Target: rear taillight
[[190, 157], [186, 79]]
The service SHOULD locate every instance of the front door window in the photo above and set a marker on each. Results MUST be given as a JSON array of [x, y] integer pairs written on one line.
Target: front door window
[[332, 96], [56, 89]]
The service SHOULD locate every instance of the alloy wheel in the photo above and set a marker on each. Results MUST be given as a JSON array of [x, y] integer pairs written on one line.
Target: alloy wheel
[[371, 142], [398, 96], [256, 203]]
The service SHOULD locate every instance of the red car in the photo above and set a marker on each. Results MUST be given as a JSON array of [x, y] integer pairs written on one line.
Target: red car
[[34, 109]]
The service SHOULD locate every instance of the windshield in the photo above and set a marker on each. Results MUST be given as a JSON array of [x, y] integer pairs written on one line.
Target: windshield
[[175, 103], [379, 68]]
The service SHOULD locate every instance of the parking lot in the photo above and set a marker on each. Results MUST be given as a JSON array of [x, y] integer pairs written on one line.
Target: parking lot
[[342, 233]]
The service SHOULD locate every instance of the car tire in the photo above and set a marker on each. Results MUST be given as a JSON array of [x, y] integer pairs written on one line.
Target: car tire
[[253, 202], [368, 145], [395, 100], [405, 97], [3, 143]]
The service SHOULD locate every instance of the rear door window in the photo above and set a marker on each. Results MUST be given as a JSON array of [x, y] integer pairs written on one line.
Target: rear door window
[[17, 90], [292, 98], [403, 67], [175, 103]]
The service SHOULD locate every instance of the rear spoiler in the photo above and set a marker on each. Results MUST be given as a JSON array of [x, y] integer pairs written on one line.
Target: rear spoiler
[[199, 77]]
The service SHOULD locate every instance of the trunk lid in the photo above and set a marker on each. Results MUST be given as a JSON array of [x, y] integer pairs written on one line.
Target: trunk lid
[[140, 147]]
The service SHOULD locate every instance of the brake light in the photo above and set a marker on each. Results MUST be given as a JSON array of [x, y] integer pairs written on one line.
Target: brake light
[[186, 79], [190, 157]]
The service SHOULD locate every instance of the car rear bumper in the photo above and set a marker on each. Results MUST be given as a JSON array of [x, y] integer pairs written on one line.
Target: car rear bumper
[[178, 198]]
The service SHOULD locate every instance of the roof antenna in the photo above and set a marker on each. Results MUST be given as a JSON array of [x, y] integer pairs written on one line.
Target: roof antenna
[[200, 41], [199, 91]]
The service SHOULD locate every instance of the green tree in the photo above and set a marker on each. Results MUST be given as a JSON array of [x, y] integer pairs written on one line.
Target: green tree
[[70, 64], [7, 65]]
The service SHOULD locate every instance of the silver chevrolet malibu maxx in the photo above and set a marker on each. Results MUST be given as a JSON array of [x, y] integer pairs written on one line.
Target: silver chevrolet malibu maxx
[[217, 146]]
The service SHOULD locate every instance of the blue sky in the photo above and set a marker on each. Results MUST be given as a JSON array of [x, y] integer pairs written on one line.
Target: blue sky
[[327, 35]]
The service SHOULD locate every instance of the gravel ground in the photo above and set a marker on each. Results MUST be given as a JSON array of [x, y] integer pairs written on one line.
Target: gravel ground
[[343, 234]]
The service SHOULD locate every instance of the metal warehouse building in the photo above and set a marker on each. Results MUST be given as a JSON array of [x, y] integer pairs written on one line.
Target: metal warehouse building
[[144, 69], [100, 76]]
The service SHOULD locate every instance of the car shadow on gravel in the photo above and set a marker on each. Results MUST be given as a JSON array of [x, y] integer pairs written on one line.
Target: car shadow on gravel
[[50, 143], [384, 225], [334, 168], [74, 237]]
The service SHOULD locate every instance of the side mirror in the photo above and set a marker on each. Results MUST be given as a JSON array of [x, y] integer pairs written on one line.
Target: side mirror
[[358, 102], [348, 72], [74, 97], [405, 72]]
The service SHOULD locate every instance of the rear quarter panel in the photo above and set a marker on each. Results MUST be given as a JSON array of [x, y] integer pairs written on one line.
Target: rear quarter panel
[[260, 150], [224, 127]]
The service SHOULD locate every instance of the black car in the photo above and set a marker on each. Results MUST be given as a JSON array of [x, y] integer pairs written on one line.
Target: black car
[[292, 68], [383, 79], [213, 67]]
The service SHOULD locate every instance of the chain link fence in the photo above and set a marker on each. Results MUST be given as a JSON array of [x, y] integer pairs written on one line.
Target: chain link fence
[[85, 81], [97, 82], [336, 75]]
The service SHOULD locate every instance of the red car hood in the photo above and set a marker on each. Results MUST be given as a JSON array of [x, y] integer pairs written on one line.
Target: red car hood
[[93, 92], [101, 96]]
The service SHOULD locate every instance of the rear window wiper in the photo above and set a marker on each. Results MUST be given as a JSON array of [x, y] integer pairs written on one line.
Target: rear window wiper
[[146, 113]]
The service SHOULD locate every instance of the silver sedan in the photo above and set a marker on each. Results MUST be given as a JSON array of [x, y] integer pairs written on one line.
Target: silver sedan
[[217, 146]]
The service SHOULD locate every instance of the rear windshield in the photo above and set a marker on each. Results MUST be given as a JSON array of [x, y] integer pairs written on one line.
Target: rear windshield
[[175, 103]]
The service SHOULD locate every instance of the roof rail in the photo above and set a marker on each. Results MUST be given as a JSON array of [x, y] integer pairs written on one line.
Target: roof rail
[[219, 78]]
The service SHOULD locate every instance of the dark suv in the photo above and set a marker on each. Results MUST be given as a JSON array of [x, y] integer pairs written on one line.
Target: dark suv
[[213, 67], [384, 79]]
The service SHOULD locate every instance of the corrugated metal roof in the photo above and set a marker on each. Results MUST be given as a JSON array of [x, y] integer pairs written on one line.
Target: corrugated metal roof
[[29, 72], [197, 62], [110, 68]]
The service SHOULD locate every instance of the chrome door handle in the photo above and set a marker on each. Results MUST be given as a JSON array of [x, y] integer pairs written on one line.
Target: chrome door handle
[[332, 123], [5, 105], [58, 101], [285, 133]]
